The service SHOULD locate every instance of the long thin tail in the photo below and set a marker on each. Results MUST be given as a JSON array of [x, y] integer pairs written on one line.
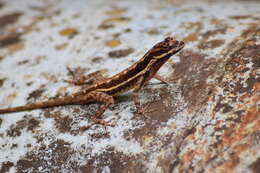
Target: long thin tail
[[45, 104]]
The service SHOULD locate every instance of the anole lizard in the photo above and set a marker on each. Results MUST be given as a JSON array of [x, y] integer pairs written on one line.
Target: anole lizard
[[134, 77]]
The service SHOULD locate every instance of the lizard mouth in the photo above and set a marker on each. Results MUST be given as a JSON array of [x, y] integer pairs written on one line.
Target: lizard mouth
[[181, 44], [177, 46]]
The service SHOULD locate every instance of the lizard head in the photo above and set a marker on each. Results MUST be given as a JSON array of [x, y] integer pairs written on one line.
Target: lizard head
[[160, 53], [166, 48]]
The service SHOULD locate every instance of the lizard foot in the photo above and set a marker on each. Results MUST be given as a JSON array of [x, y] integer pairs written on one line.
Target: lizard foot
[[97, 121], [143, 110]]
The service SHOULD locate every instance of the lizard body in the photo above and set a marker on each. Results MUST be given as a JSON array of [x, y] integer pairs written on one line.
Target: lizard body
[[134, 77]]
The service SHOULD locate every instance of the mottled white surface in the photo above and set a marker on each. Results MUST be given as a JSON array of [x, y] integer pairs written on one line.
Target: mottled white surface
[[168, 17]]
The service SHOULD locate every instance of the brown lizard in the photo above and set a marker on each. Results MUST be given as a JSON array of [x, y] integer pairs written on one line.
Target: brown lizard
[[134, 77]]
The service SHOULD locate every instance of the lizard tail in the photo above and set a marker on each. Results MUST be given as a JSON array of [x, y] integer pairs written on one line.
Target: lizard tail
[[50, 103]]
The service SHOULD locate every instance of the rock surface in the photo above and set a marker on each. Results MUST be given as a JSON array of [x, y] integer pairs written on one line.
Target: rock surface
[[206, 120]]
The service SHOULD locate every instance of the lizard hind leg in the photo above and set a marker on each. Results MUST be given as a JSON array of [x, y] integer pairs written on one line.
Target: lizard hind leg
[[81, 79], [107, 101]]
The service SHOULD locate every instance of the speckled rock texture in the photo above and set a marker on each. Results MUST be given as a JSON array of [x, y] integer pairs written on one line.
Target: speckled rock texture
[[207, 119]]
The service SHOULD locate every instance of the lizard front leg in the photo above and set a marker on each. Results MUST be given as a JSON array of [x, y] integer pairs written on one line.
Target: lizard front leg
[[161, 78], [107, 101], [140, 109], [140, 83]]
